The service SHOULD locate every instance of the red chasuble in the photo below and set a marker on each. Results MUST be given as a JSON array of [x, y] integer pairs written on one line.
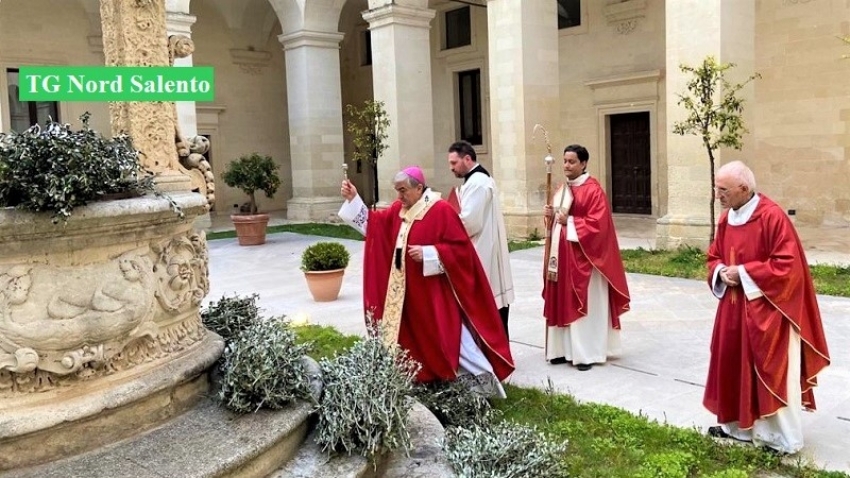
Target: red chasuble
[[565, 300], [749, 347], [434, 306]]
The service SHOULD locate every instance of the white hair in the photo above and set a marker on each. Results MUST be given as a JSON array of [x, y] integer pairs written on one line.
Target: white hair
[[739, 171], [402, 176]]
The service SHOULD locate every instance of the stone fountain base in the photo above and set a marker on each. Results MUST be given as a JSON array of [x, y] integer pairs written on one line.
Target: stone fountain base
[[102, 413]]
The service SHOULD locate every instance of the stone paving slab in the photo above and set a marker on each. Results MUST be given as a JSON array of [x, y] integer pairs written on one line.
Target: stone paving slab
[[660, 373]]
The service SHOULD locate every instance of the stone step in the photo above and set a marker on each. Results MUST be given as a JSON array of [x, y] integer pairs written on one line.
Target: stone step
[[206, 441], [426, 458]]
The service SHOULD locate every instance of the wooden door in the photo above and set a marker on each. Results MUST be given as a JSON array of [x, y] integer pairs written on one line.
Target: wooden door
[[630, 166]]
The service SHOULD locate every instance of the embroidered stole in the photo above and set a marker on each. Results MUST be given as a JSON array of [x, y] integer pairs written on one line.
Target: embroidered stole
[[564, 197], [394, 303]]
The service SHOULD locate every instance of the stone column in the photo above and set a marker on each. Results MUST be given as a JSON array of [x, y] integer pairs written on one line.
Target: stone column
[[401, 78], [134, 34], [179, 22], [524, 91], [726, 30], [314, 100]]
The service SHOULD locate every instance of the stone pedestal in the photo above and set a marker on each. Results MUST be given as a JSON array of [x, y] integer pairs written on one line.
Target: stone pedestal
[[726, 31], [314, 99], [401, 79], [524, 91]]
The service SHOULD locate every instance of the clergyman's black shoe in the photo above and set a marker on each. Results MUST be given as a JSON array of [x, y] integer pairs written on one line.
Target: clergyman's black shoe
[[774, 451], [584, 367], [558, 361], [718, 432]]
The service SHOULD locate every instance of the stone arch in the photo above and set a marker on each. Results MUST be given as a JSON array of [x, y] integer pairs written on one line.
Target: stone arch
[[315, 15]]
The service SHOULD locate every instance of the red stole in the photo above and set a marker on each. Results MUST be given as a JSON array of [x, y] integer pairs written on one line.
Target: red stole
[[435, 306], [565, 301], [749, 346]]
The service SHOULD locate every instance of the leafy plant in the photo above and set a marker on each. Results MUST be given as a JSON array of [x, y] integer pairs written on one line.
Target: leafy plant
[[714, 112], [368, 126], [53, 168], [324, 256], [504, 450], [365, 403], [264, 367], [231, 315], [253, 173]]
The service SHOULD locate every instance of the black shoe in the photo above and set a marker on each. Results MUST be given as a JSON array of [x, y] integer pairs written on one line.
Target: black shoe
[[558, 361], [717, 432], [774, 451], [584, 367]]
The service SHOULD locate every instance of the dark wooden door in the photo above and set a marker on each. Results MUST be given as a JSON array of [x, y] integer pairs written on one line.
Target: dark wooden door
[[630, 169]]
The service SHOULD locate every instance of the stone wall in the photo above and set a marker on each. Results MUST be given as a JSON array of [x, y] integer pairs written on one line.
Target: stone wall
[[802, 109]]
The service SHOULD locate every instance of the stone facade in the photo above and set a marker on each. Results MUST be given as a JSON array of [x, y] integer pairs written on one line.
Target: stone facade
[[285, 70]]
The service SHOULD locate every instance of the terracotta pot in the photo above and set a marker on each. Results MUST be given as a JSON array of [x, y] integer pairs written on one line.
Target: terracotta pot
[[250, 228], [324, 285]]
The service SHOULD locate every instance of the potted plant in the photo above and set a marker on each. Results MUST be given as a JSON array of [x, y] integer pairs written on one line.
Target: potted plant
[[324, 264], [252, 173]]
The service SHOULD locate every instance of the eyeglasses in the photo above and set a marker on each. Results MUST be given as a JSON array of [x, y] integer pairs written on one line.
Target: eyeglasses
[[725, 191]]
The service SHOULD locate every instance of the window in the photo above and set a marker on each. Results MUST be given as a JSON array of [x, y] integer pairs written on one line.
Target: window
[[366, 48], [569, 13], [458, 29], [27, 113], [469, 96]]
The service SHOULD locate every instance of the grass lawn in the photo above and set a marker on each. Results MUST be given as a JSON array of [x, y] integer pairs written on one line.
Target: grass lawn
[[607, 442], [686, 262]]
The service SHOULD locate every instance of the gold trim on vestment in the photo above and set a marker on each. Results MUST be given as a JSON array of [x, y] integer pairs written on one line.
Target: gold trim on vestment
[[397, 285]]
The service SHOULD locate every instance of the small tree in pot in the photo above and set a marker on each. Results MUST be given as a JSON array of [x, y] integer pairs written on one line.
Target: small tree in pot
[[324, 264], [252, 173]]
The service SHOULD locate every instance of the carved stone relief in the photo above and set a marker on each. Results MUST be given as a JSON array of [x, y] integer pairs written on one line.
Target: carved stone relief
[[625, 15], [63, 324], [134, 34], [191, 150]]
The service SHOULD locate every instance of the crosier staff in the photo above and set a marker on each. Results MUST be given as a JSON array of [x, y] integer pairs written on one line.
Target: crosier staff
[[547, 222]]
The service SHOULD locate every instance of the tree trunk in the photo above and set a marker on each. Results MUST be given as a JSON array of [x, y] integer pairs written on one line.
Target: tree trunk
[[711, 204], [253, 200], [375, 181]]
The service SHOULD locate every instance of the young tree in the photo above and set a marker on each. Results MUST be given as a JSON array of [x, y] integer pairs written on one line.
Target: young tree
[[368, 125], [714, 112]]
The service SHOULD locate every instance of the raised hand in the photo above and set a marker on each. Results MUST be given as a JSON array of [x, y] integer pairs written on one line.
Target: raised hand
[[348, 190]]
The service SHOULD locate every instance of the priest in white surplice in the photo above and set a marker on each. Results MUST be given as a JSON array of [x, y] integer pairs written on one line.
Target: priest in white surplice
[[585, 290], [477, 203]]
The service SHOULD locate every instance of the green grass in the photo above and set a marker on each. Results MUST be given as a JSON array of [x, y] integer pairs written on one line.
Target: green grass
[[607, 442], [689, 263], [686, 262], [326, 341], [339, 231]]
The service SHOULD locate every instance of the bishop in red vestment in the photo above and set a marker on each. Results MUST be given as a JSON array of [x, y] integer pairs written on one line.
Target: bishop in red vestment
[[585, 289], [423, 280], [768, 343]]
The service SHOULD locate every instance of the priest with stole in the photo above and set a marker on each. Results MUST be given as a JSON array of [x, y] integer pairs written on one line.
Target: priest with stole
[[585, 290], [423, 282]]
